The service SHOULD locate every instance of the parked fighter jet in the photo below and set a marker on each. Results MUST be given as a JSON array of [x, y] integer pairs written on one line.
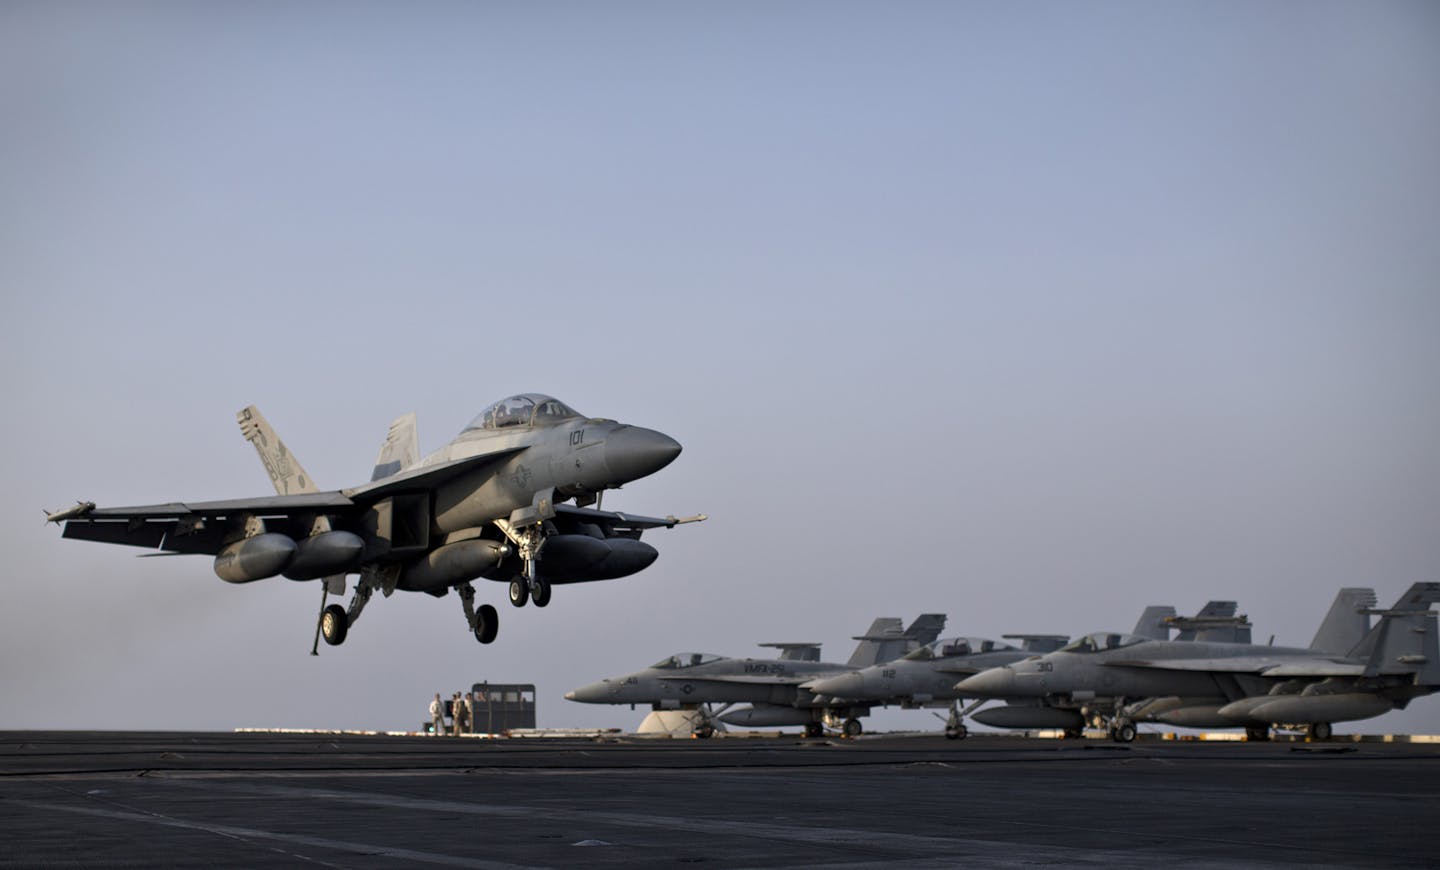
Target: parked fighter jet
[[1351, 671], [772, 687], [925, 677], [487, 505]]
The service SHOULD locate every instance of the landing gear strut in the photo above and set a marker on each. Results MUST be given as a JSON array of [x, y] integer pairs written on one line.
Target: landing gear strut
[[955, 726]]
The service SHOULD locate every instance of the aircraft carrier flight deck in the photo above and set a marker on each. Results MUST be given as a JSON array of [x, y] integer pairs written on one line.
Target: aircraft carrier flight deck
[[118, 799]]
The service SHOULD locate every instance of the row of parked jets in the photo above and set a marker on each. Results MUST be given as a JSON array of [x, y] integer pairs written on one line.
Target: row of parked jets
[[1200, 671]]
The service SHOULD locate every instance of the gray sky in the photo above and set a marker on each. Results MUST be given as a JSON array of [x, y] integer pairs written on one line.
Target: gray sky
[[1029, 313]]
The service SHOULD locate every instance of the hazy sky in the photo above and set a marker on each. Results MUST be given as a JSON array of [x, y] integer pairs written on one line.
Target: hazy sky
[[1031, 313]]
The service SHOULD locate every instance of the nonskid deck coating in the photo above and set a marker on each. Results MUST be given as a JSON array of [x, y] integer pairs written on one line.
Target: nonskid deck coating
[[254, 800]]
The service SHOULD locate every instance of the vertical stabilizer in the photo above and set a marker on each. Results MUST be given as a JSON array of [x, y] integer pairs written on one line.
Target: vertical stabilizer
[[1215, 623], [879, 644], [401, 449], [925, 629], [1404, 641], [1347, 623], [1154, 622], [284, 469]]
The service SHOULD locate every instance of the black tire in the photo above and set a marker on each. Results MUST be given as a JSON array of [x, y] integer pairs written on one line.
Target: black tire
[[519, 592], [1072, 734], [487, 623], [334, 624], [853, 728], [705, 732], [541, 594], [1124, 731], [1320, 731], [814, 729], [1257, 733], [959, 732]]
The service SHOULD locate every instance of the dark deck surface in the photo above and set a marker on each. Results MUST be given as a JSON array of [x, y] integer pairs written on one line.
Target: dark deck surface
[[259, 800]]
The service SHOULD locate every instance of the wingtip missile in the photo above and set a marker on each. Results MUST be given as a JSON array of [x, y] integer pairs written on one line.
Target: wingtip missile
[[80, 509], [672, 520]]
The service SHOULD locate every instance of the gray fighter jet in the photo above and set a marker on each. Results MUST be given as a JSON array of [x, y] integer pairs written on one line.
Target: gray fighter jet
[[772, 687], [926, 677], [1351, 671], [490, 504]]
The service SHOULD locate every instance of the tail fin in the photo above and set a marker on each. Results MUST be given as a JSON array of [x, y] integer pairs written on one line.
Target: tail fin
[[1347, 622], [883, 642], [284, 469], [400, 450], [1154, 622], [925, 629], [1403, 641], [1215, 623]]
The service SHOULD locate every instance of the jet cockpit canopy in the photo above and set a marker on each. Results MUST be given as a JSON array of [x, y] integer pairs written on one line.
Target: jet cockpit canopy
[[685, 660], [950, 647], [1101, 641], [525, 409]]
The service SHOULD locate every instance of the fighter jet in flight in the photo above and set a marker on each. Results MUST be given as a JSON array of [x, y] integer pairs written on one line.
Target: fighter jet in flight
[[771, 687], [509, 499], [1351, 671]]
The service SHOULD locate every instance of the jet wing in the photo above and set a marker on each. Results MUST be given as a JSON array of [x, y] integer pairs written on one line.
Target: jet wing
[[190, 527], [205, 526], [1265, 666]]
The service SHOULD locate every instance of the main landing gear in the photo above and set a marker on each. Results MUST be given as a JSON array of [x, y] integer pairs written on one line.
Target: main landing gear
[[334, 624], [484, 620], [1122, 731], [335, 621]]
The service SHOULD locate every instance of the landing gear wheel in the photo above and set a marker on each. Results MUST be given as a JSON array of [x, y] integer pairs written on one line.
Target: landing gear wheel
[[1123, 732], [519, 592], [540, 593], [487, 623], [1257, 733], [852, 728], [334, 624], [705, 732], [814, 729], [959, 732], [1320, 731], [1072, 734]]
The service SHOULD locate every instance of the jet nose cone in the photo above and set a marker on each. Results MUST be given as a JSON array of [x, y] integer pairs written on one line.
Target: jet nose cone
[[594, 693], [632, 452], [842, 686], [996, 681]]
